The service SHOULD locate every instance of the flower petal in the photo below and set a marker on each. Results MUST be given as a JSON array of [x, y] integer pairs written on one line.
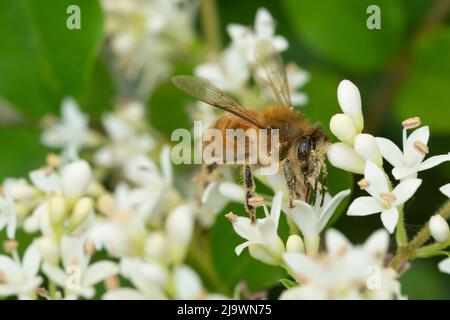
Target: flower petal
[[445, 189], [329, 208], [123, 294], [264, 23], [31, 260], [364, 206], [404, 172], [335, 241], [389, 218], [55, 274], [412, 156], [304, 216], [390, 152], [433, 161], [405, 190], [377, 179], [99, 271], [444, 265], [302, 265], [378, 242], [188, 285]]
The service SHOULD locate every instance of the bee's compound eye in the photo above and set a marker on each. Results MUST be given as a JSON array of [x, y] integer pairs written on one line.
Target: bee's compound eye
[[304, 148]]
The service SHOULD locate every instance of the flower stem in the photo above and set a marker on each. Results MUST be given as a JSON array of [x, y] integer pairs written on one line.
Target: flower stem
[[400, 235], [210, 25], [408, 252]]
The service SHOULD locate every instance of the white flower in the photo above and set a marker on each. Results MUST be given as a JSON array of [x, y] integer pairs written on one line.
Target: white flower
[[78, 277], [382, 199], [188, 285], [8, 212], [230, 73], [444, 265], [148, 279], [311, 220], [20, 278], [409, 162], [366, 147], [297, 78], [71, 133], [72, 181], [215, 197], [122, 232], [343, 127], [445, 189], [350, 101], [262, 238], [344, 157], [179, 227], [264, 29], [126, 142], [439, 228], [345, 271]]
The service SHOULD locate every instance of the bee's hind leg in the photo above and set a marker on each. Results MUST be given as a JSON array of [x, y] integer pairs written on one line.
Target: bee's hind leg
[[250, 192], [291, 182], [324, 183], [208, 173]]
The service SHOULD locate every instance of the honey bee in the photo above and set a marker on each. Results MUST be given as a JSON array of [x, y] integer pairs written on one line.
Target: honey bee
[[302, 146]]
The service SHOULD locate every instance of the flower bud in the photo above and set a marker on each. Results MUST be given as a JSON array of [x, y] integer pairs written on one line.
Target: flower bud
[[343, 128], [367, 148], [295, 244], [58, 209], [350, 102], [75, 178], [179, 227], [232, 191], [344, 157], [155, 246], [82, 209], [48, 250], [439, 228]]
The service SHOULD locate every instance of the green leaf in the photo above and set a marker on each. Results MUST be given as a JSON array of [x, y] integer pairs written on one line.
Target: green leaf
[[337, 31], [288, 283], [21, 152], [41, 60], [234, 269], [426, 91]]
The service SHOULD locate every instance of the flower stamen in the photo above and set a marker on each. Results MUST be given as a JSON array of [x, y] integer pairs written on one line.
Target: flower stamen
[[363, 184], [388, 196], [231, 217], [421, 147], [411, 123]]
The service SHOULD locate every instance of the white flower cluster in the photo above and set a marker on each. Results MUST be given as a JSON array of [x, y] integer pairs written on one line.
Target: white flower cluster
[[232, 70], [144, 223], [362, 153], [144, 36]]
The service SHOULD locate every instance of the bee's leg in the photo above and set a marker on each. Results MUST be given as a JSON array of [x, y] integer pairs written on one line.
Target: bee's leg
[[250, 192], [291, 181], [324, 183], [314, 196], [207, 174]]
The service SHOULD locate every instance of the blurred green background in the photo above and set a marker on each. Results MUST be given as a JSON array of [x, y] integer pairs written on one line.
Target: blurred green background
[[402, 70]]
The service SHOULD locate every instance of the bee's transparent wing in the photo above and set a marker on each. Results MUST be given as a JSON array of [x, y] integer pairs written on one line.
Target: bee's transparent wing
[[272, 72], [205, 91]]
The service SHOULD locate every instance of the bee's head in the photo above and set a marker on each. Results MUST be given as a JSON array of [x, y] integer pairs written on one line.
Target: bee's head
[[313, 144]]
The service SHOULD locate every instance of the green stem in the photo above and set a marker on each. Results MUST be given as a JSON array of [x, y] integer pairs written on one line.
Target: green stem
[[199, 256], [210, 25], [401, 235], [426, 251], [409, 252]]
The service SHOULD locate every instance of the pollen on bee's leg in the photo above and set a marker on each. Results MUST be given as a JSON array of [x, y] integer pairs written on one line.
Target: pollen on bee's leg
[[421, 147], [256, 201]]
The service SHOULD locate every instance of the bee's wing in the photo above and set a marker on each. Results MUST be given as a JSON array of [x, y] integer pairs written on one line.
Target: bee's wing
[[203, 90], [272, 72]]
